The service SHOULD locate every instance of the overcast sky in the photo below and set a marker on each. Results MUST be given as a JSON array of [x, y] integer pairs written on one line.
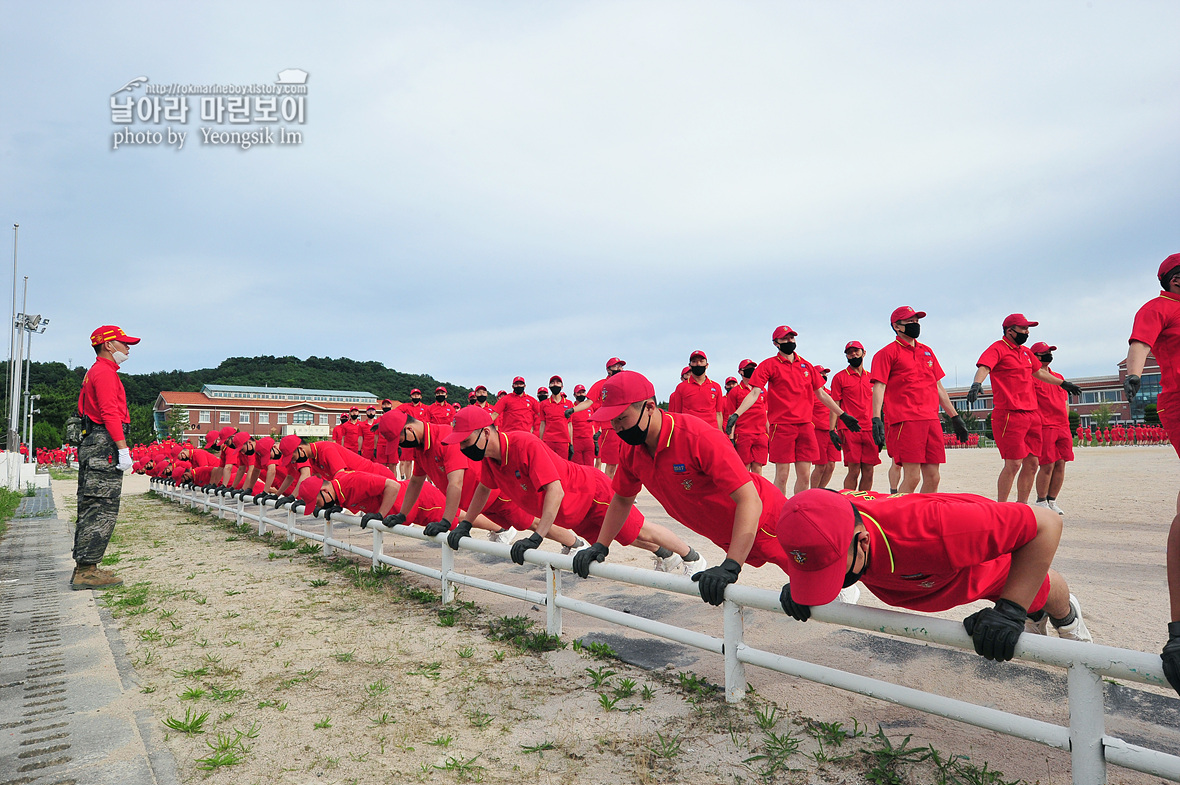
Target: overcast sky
[[496, 188]]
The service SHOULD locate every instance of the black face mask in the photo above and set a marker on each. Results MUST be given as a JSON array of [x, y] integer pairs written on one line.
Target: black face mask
[[542, 396], [579, 397], [408, 445], [1045, 358], [698, 370], [474, 451], [1019, 338], [415, 399], [635, 435], [855, 361], [787, 347], [747, 372], [481, 398], [851, 577], [248, 449], [911, 330], [609, 372], [386, 409], [275, 454], [555, 389], [518, 390], [370, 415], [353, 416]]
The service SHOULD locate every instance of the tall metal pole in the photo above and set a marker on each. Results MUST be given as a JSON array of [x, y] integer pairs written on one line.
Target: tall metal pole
[[14, 408], [12, 356], [28, 401]]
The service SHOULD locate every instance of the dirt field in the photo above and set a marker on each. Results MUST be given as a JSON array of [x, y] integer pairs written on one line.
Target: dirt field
[[334, 676]]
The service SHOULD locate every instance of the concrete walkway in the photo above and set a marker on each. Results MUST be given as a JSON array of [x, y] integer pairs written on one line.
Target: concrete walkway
[[68, 708]]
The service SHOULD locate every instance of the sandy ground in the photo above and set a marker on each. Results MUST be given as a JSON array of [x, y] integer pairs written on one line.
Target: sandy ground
[[248, 614]]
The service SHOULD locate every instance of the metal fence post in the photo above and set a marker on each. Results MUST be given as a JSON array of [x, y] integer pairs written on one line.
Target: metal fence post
[[241, 506], [205, 503], [261, 519], [448, 564], [328, 549], [735, 671], [1087, 726], [552, 589], [290, 525], [378, 547]]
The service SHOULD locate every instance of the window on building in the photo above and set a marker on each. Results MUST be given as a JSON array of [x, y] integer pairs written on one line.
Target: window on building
[[223, 417], [281, 418], [264, 418], [1089, 397], [243, 417], [323, 419], [301, 418], [205, 417]]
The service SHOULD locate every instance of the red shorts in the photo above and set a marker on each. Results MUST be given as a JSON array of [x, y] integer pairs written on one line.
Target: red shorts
[[383, 456], [1169, 411], [752, 447], [560, 449], [915, 441], [792, 442], [507, 515], [1017, 434], [591, 525], [608, 446], [859, 448], [1056, 444], [823, 445], [584, 451]]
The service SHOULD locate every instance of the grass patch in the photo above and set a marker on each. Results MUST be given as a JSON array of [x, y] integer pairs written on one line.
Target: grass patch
[[517, 630]]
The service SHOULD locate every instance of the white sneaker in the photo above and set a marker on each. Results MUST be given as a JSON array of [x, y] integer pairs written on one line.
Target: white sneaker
[[1046, 505], [849, 596], [691, 568], [578, 545], [672, 563], [504, 538], [1075, 631], [1053, 506], [1037, 627]]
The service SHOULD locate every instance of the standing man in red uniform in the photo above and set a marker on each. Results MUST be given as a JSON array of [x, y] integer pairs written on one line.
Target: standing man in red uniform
[[103, 456], [751, 433], [932, 552], [368, 434], [907, 380], [1056, 441], [827, 438], [583, 430], [1157, 330], [481, 398], [791, 384], [441, 412], [1016, 420], [853, 390], [352, 431], [608, 440], [419, 411], [699, 396], [516, 411], [338, 431], [557, 430]]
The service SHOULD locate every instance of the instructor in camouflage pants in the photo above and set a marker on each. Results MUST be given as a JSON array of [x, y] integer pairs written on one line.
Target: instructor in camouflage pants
[[103, 456]]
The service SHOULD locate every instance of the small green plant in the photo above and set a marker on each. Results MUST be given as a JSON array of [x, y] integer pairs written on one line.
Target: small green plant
[[625, 689], [577, 645], [888, 757], [343, 656], [465, 652], [428, 669], [498, 656], [231, 592], [224, 695], [666, 747], [384, 718], [463, 769], [599, 677], [192, 722], [766, 719], [602, 651], [220, 759], [287, 545], [225, 716], [648, 693], [150, 635], [377, 688], [480, 719], [147, 690], [607, 702], [309, 549], [318, 583], [447, 617], [213, 659], [516, 630], [544, 746], [192, 694], [442, 741], [324, 723]]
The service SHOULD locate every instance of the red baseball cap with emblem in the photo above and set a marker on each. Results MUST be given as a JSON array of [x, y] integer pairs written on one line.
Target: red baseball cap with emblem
[[619, 392], [344, 417], [386, 401], [308, 489], [264, 445], [288, 443], [822, 371], [213, 437], [518, 379], [468, 420], [553, 379], [615, 361], [905, 312], [415, 390], [240, 439], [747, 362], [227, 432], [1040, 347], [1018, 320], [853, 345], [579, 388], [109, 332], [696, 354], [1167, 266], [439, 389], [815, 530], [481, 387], [782, 331], [542, 390], [685, 371], [729, 379], [391, 424]]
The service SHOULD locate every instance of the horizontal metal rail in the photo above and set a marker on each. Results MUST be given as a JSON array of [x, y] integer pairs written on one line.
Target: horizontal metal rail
[[1090, 748]]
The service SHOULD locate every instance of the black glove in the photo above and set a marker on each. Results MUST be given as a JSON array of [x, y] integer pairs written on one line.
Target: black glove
[[973, 393], [834, 435], [396, 519], [529, 543], [960, 428], [568, 413], [995, 630], [879, 433], [298, 506], [571, 449], [730, 422], [435, 528], [714, 580], [368, 518], [793, 609], [283, 501], [850, 422], [584, 557], [458, 533], [1071, 388], [329, 510], [1171, 655], [1131, 385]]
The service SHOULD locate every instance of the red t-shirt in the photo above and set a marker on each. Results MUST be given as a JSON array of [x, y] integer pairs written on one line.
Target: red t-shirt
[[910, 375], [553, 415], [1157, 324], [419, 411], [102, 398], [703, 400], [790, 388], [515, 412], [853, 390], [820, 413], [440, 413], [1012, 368], [199, 457], [583, 429], [1053, 402], [362, 492], [526, 466], [351, 435], [435, 460], [327, 458], [754, 420], [338, 433]]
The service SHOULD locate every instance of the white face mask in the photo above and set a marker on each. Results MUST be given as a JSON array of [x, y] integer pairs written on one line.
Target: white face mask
[[118, 357]]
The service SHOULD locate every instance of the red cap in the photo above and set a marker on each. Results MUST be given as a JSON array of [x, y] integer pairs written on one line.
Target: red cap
[[240, 439], [468, 420], [109, 332], [696, 354], [1018, 320], [518, 379], [815, 529], [853, 345], [288, 443], [615, 361], [440, 389], [1040, 347], [619, 392], [782, 331], [481, 387], [264, 445], [344, 417], [905, 312], [685, 371], [579, 388], [178, 472], [729, 379], [136, 467], [386, 401], [1169, 264], [553, 379], [501, 394], [822, 371], [415, 390], [354, 409], [370, 408], [307, 491], [746, 362], [471, 395], [227, 432], [213, 437], [391, 424], [176, 448], [542, 390]]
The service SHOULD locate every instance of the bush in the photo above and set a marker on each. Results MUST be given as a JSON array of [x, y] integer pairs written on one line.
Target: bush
[[45, 435]]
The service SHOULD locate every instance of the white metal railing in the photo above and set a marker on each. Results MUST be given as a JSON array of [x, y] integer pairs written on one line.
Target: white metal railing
[[1086, 663]]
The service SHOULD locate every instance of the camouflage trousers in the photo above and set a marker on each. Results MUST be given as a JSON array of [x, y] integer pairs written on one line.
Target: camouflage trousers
[[99, 485]]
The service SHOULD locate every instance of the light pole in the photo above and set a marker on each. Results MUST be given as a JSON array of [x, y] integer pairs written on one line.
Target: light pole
[[30, 325]]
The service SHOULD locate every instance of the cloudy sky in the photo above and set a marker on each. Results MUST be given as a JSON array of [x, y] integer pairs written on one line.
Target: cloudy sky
[[492, 188]]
